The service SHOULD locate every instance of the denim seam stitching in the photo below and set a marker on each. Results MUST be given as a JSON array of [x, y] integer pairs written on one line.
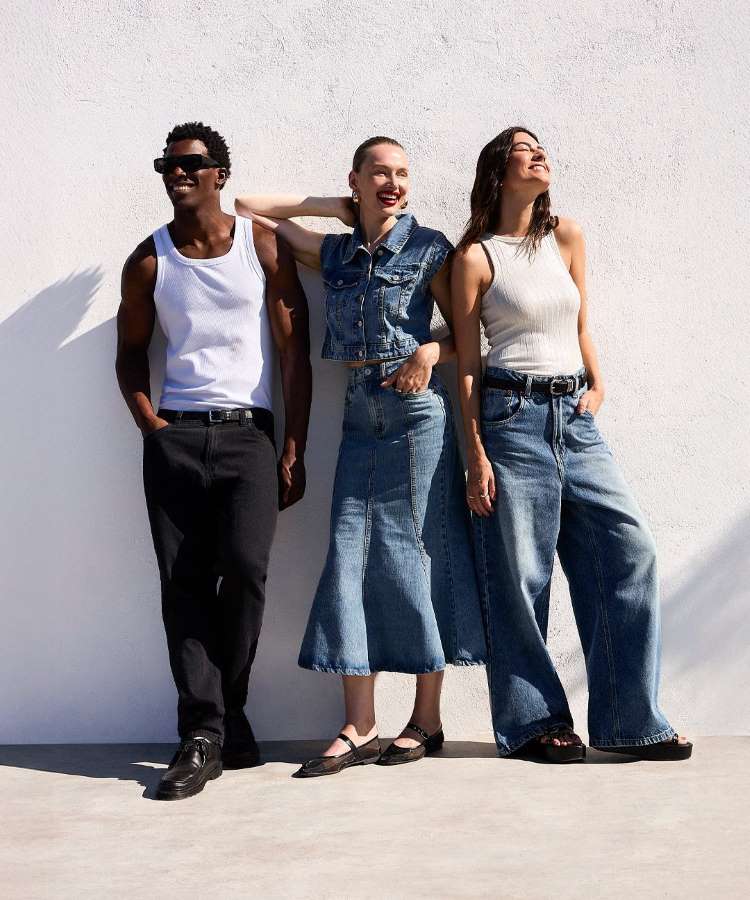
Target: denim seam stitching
[[605, 625], [449, 446], [413, 497], [484, 599], [368, 517]]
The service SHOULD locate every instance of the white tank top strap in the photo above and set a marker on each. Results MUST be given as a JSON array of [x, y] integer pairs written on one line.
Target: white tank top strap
[[494, 258], [248, 242]]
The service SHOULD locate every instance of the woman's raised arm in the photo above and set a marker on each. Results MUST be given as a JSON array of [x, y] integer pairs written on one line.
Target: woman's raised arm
[[273, 211]]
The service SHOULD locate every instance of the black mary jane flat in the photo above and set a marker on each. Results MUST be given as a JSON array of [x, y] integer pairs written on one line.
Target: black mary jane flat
[[364, 755], [396, 756]]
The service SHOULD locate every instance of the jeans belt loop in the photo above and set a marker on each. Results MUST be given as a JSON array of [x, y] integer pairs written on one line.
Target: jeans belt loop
[[529, 384]]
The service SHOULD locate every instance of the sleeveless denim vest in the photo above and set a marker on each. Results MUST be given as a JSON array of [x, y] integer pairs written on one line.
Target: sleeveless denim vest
[[379, 306]]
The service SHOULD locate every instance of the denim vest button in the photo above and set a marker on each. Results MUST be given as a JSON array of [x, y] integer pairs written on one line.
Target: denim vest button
[[380, 252], [361, 353], [340, 281], [368, 371], [358, 323]]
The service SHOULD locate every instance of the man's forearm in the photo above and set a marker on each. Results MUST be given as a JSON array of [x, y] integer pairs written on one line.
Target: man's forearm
[[296, 387], [134, 378]]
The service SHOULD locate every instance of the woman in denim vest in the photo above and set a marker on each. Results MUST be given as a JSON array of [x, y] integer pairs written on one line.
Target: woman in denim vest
[[398, 592], [542, 479]]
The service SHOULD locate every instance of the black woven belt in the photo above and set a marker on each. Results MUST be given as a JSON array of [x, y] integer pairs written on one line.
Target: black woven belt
[[261, 417], [555, 387]]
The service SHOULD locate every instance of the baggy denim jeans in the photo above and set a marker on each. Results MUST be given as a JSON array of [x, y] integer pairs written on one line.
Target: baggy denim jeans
[[559, 489]]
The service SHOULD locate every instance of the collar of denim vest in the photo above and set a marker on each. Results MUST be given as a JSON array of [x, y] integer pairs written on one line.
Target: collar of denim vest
[[397, 237]]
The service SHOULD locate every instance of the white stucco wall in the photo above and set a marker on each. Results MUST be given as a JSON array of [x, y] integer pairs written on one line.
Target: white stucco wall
[[641, 105]]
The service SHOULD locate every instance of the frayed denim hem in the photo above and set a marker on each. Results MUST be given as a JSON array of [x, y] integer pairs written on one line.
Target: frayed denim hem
[[538, 731], [403, 670], [634, 742], [466, 662], [357, 670]]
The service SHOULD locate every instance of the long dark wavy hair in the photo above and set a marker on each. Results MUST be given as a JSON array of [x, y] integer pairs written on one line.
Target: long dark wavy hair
[[487, 195]]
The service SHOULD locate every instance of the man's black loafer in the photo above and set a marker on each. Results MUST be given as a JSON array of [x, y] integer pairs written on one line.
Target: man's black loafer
[[196, 762]]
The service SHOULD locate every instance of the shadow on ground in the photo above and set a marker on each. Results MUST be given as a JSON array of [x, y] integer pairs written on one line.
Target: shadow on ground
[[145, 763]]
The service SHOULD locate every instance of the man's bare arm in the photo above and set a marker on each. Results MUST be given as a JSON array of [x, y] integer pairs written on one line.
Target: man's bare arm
[[287, 311], [135, 325]]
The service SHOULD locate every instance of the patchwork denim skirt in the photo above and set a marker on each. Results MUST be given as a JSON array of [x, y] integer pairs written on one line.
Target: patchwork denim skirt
[[398, 592]]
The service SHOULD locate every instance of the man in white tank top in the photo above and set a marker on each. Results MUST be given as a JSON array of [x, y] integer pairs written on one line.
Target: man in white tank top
[[225, 292]]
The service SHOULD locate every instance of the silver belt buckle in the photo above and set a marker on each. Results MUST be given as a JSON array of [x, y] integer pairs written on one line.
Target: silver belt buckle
[[215, 416], [564, 383]]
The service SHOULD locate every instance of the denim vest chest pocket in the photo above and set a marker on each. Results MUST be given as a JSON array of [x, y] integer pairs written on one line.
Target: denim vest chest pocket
[[342, 289], [395, 286]]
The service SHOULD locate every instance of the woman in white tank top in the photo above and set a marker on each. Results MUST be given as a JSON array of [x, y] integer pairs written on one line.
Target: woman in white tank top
[[542, 480]]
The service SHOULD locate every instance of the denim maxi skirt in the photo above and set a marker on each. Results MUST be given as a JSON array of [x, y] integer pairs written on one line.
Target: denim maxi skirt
[[398, 592]]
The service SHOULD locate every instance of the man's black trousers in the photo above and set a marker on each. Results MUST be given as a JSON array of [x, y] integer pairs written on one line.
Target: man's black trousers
[[212, 498]]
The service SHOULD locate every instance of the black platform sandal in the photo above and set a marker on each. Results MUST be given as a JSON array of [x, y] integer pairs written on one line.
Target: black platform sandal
[[330, 765], [663, 751], [396, 756], [545, 751]]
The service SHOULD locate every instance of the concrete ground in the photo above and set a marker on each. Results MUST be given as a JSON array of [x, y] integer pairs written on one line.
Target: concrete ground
[[80, 822]]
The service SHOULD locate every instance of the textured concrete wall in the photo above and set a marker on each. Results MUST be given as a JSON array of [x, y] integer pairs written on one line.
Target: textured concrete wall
[[639, 103]]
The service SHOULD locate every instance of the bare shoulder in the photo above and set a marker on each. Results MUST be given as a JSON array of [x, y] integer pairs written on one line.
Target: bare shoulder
[[568, 231], [473, 266], [267, 246], [472, 258], [273, 251], [140, 267]]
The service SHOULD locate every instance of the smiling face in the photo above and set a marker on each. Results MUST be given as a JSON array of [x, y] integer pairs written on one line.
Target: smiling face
[[528, 167], [189, 190], [382, 181]]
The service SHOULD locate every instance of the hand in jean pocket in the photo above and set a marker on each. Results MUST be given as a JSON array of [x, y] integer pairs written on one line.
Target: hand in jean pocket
[[590, 401], [413, 377]]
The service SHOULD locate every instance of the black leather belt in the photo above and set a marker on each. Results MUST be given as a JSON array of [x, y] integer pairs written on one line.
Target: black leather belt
[[261, 417], [551, 387]]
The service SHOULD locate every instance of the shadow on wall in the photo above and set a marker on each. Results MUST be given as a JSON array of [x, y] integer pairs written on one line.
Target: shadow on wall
[[707, 634], [73, 562], [84, 646]]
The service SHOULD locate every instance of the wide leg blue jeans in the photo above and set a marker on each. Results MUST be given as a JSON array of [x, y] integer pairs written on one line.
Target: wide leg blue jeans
[[560, 490]]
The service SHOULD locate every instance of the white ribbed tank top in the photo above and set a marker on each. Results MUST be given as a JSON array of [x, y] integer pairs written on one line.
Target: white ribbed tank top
[[530, 311], [214, 316]]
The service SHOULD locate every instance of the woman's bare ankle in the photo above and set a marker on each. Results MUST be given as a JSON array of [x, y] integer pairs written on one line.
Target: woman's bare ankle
[[360, 730]]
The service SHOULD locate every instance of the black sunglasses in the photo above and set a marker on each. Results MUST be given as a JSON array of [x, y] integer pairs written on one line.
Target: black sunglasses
[[190, 162]]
